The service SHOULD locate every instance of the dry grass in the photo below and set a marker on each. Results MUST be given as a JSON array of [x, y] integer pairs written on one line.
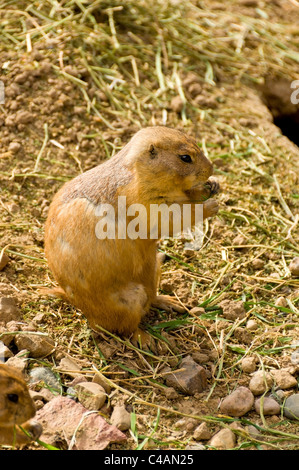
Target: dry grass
[[123, 62]]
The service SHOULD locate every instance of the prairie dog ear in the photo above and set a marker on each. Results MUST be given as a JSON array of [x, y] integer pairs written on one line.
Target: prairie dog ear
[[153, 152]]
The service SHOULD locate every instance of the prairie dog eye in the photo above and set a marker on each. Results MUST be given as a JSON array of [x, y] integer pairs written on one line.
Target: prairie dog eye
[[185, 158], [13, 397]]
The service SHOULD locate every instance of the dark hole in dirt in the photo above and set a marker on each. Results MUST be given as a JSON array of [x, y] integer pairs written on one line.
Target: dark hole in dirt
[[280, 98], [289, 125]]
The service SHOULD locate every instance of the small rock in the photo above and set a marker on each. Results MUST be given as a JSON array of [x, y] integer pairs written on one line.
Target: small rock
[[294, 266], [91, 395], [283, 379], [191, 380], [191, 424], [4, 259], [195, 89], [238, 403], [101, 380], [281, 302], [252, 325], [269, 407], [9, 310], [69, 366], [195, 447], [242, 335], [78, 379], [121, 418], [253, 431], [23, 117], [200, 357], [189, 252], [248, 364], [291, 407], [170, 393], [202, 432], [66, 421], [14, 147], [258, 263], [5, 353], [17, 363], [197, 311], [260, 382], [223, 440], [45, 375], [232, 309], [38, 345], [295, 357], [21, 77], [44, 395], [177, 104], [40, 318], [239, 240]]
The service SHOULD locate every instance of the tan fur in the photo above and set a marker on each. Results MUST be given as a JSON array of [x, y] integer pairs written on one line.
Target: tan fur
[[16, 408], [114, 282]]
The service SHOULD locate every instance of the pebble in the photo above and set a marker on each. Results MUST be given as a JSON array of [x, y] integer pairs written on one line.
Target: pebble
[[121, 418], [195, 447], [191, 380], [177, 104], [47, 376], [243, 335], [197, 311], [291, 407], [252, 325], [238, 403], [5, 352], [248, 364], [295, 357], [14, 147], [283, 379], [38, 345], [23, 117], [9, 310], [258, 263], [101, 380], [4, 259], [171, 393], [223, 440], [202, 432], [70, 367], [294, 266], [281, 302], [260, 382], [270, 406], [66, 421], [91, 395], [17, 363], [232, 309]]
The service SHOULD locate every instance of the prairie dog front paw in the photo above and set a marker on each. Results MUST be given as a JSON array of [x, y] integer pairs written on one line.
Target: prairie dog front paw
[[210, 208], [212, 186]]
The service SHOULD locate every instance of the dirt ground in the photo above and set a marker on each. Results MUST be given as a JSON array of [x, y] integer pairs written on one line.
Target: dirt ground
[[79, 82]]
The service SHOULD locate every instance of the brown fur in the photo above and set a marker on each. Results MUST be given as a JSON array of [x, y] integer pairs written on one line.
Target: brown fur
[[16, 408], [114, 282]]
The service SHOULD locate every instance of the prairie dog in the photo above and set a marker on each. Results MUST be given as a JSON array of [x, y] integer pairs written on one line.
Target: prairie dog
[[16, 408], [114, 281]]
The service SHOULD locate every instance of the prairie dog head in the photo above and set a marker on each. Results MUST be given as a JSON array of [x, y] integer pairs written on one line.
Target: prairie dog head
[[163, 153], [16, 405]]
